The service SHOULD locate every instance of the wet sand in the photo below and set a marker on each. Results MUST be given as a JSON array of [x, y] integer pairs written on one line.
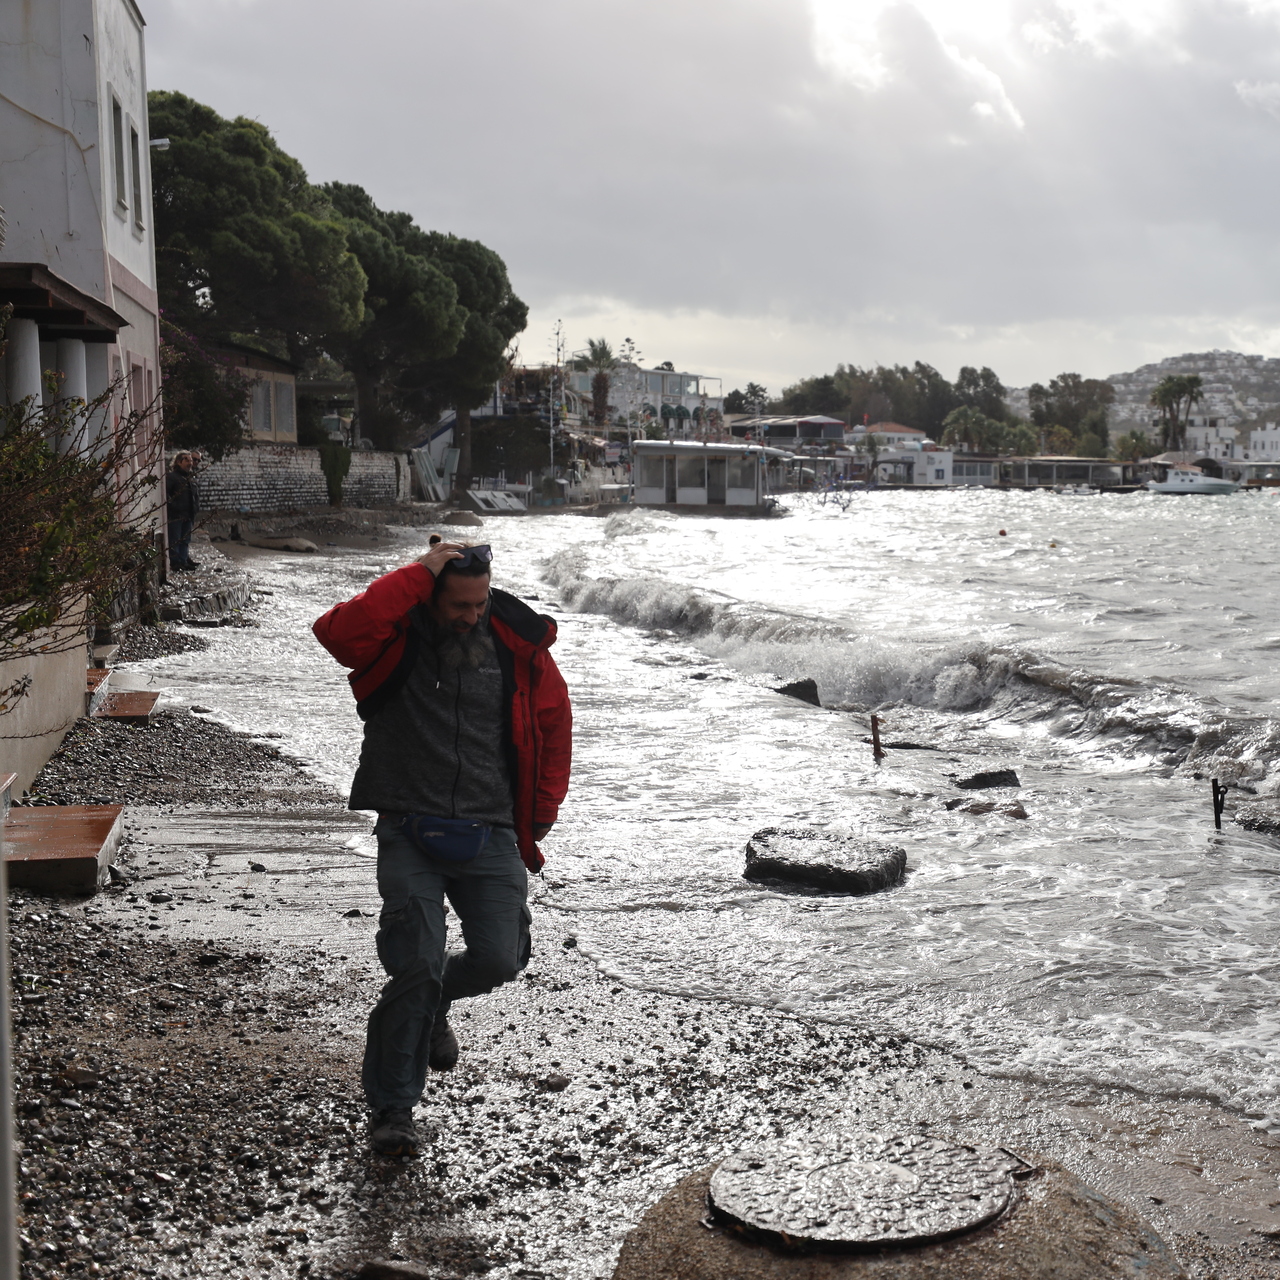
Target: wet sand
[[189, 1045]]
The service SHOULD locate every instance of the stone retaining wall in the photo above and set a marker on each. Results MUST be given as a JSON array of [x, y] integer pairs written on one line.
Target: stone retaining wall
[[283, 477]]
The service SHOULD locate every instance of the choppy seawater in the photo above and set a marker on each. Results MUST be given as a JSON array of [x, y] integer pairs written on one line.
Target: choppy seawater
[[1108, 648]]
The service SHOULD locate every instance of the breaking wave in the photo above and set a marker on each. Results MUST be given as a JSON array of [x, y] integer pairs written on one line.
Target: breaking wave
[[1002, 682]]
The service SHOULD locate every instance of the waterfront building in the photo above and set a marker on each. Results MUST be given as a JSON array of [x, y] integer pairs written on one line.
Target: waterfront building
[[78, 261], [1050, 470], [684, 404], [892, 433], [813, 429], [913, 465], [695, 474], [77, 265]]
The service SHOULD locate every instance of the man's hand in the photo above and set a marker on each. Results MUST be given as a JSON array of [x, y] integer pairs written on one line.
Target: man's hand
[[540, 831], [439, 556]]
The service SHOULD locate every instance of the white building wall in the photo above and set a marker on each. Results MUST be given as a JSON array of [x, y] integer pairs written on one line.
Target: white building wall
[[64, 64], [1211, 442], [1264, 445], [60, 62], [122, 79]]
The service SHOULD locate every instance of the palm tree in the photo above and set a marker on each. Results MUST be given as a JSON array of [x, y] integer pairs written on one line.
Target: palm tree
[[1175, 396], [600, 360]]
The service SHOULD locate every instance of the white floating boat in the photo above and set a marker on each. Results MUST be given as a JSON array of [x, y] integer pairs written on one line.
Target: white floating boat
[[1188, 479]]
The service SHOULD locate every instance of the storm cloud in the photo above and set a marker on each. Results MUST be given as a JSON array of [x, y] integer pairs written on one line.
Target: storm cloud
[[760, 188]]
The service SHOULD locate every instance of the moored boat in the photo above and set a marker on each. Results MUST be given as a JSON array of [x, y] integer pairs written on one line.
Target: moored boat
[[1188, 479]]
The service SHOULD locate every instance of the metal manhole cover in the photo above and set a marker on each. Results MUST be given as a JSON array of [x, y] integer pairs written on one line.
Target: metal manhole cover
[[863, 1190]]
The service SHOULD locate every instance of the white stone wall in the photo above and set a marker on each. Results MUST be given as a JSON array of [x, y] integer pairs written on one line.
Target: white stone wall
[[281, 478], [38, 719]]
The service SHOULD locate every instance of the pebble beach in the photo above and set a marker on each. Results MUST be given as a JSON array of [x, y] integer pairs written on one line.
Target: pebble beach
[[188, 1046]]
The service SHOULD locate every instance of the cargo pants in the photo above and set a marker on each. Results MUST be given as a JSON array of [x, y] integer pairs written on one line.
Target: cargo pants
[[489, 895]]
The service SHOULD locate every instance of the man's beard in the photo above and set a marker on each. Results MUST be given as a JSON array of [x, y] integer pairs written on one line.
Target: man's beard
[[457, 649]]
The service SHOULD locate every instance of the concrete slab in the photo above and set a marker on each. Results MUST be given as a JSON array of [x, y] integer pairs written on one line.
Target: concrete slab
[[136, 706], [105, 654], [96, 682], [61, 848]]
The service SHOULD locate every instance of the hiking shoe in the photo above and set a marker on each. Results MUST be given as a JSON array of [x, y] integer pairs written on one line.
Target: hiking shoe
[[392, 1133], [443, 1052]]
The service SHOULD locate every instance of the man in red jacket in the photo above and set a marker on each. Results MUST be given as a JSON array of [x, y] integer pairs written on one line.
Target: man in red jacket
[[467, 731]]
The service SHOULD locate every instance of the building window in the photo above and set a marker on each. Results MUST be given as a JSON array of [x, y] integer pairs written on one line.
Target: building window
[[117, 148], [135, 163], [283, 421], [742, 473], [652, 474], [691, 473], [939, 473], [262, 407]]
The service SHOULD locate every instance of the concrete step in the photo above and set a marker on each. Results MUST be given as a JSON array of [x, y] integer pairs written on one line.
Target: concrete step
[[135, 706], [105, 654], [61, 848], [96, 680]]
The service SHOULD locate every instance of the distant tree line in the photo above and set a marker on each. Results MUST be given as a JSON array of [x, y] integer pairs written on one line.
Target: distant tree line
[[1068, 416], [249, 251]]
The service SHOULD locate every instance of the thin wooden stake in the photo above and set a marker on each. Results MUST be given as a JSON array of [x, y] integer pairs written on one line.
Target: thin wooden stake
[[875, 739]]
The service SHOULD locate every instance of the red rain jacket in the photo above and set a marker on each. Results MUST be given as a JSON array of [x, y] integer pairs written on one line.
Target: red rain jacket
[[369, 633]]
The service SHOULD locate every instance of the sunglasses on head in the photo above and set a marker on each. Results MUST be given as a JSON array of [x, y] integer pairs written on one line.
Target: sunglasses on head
[[482, 554]]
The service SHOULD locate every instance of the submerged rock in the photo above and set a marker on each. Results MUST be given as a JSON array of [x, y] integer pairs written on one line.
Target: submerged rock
[[806, 690], [1010, 808], [839, 863], [992, 778], [462, 517], [1260, 817]]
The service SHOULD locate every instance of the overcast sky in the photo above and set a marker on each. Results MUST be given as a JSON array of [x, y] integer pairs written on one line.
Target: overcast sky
[[762, 188]]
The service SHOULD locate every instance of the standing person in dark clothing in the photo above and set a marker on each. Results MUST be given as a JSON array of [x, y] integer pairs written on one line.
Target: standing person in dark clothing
[[466, 761], [183, 501]]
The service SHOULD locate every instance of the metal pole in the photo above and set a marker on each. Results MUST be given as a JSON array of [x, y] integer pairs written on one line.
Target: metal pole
[[8, 1184]]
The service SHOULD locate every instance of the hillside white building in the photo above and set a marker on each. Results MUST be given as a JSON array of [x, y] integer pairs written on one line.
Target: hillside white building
[[683, 402], [1264, 445], [1208, 438]]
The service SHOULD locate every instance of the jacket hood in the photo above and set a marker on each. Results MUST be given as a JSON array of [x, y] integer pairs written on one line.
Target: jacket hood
[[536, 629]]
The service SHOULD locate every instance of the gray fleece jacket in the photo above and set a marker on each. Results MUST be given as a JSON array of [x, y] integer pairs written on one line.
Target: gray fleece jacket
[[440, 747]]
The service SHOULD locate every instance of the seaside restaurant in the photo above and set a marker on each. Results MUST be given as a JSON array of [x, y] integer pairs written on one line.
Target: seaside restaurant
[[689, 473], [1049, 470]]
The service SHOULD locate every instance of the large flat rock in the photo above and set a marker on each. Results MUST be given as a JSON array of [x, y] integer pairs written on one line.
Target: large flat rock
[[833, 861]]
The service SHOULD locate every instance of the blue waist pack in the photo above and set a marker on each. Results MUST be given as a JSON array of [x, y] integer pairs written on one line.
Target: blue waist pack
[[453, 839]]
